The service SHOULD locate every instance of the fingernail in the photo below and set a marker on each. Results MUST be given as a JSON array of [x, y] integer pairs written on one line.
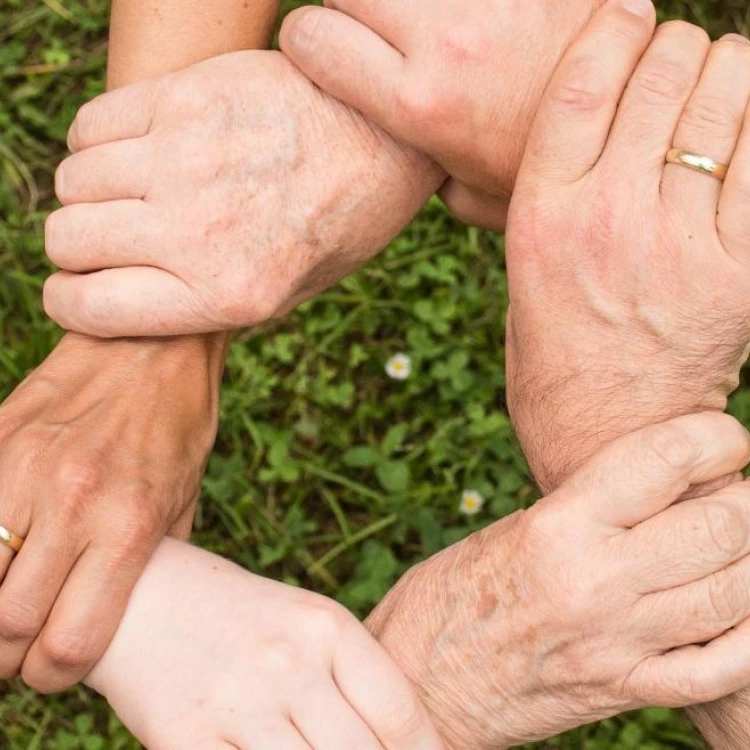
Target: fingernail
[[736, 38], [642, 8]]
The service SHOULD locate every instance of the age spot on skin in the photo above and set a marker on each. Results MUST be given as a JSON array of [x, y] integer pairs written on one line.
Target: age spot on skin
[[487, 604]]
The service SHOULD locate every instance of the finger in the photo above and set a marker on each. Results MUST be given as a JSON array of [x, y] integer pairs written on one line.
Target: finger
[[120, 302], [325, 719], [117, 115], [577, 111], [696, 674], [349, 61], [266, 736], [114, 171], [700, 611], [475, 207], [92, 236], [85, 617], [733, 221], [391, 19], [711, 124], [690, 540], [643, 473], [29, 591], [651, 108], [382, 695]]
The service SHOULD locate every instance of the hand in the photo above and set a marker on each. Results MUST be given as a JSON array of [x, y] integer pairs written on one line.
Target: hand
[[587, 605], [210, 656], [102, 449], [220, 197], [458, 81], [629, 278]]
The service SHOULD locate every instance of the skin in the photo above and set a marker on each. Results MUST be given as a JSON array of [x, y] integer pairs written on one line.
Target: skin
[[286, 190], [382, 623], [644, 265], [681, 241], [420, 70], [210, 656], [572, 235], [190, 177], [104, 445]]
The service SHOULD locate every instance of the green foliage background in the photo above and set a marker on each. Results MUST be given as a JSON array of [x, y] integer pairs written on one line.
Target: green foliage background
[[326, 472]]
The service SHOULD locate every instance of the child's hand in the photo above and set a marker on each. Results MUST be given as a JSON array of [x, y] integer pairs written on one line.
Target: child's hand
[[210, 656]]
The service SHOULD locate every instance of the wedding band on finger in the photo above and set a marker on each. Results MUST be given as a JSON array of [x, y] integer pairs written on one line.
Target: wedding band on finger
[[10, 540], [703, 164]]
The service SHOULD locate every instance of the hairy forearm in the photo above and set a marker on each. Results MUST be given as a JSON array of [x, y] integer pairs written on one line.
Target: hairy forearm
[[725, 725]]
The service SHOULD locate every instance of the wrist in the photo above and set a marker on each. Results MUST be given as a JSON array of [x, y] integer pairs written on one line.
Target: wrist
[[176, 357], [564, 416]]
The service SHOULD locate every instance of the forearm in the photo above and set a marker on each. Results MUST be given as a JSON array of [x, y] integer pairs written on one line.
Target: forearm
[[152, 37], [725, 725]]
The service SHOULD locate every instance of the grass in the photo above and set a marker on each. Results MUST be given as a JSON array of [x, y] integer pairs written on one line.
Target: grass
[[326, 473]]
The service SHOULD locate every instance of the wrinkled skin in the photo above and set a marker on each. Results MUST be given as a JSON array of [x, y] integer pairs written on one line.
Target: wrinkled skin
[[94, 484], [569, 612], [629, 278], [221, 196], [458, 81], [644, 266]]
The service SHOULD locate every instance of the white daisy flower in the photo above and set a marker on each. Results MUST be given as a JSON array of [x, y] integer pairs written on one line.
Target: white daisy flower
[[471, 502], [398, 366]]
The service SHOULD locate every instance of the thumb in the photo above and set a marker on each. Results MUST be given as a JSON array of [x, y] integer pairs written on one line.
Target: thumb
[[643, 473], [349, 61]]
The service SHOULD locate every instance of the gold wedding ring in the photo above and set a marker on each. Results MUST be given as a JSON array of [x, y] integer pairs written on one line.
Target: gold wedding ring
[[10, 540], [698, 163]]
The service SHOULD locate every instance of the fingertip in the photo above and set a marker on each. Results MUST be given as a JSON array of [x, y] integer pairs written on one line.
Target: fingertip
[[52, 297], [300, 31], [639, 8]]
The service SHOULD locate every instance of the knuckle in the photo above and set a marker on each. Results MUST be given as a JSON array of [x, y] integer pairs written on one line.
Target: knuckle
[[139, 527], [671, 446], [187, 93], [249, 302], [664, 79], [328, 621], [68, 649], [76, 482], [402, 719], [19, 621], [422, 102], [724, 530], [281, 656], [465, 43], [580, 88], [727, 599], [710, 115]]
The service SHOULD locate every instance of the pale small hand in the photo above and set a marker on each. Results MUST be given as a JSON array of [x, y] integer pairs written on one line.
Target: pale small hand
[[219, 197], [102, 449], [590, 603], [629, 277], [209, 656], [458, 81]]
